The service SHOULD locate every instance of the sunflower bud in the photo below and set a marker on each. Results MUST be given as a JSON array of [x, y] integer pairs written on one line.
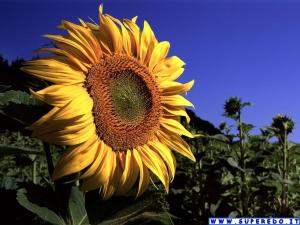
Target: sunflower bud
[[283, 123], [232, 106]]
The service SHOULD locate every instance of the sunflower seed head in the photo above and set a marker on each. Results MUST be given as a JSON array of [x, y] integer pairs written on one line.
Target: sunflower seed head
[[232, 106], [283, 123]]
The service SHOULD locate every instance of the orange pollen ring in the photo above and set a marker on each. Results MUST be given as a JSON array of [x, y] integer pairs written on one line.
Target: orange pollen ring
[[127, 106]]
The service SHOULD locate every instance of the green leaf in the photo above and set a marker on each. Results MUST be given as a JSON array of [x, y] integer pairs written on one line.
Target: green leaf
[[288, 181], [25, 199], [295, 149], [122, 210], [4, 87], [233, 117], [21, 107], [9, 183], [232, 162], [218, 137], [276, 176], [15, 150], [18, 97], [247, 127], [77, 207], [233, 214], [162, 218], [130, 212], [296, 213], [246, 104], [214, 207]]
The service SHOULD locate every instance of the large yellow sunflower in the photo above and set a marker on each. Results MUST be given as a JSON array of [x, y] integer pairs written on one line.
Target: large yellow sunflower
[[115, 104]]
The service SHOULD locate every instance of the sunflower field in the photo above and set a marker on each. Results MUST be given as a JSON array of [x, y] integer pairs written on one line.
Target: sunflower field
[[96, 132], [235, 173]]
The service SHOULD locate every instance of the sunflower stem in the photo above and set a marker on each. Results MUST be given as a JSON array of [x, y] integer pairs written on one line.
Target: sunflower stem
[[244, 193], [62, 191], [49, 158], [34, 171], [284, 199]]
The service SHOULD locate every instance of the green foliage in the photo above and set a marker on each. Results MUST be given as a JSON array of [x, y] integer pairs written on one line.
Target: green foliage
[[21, 107], [33, 201], [150, 208], [43, 202], [18, 97], [119, 211], [219, 183], [235, 174], [77, 207]]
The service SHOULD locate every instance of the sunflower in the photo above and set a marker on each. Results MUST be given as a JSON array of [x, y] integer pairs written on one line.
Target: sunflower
[[116, 104]]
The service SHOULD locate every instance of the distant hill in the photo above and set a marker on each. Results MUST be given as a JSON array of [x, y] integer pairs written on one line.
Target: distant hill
[[200, 125]]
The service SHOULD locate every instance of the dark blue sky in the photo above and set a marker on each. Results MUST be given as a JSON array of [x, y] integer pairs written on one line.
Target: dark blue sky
[[244, 48]]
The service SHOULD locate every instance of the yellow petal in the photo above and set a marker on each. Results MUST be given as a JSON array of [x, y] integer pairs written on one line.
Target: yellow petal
[[129, 174], [68, 57], [175, 88], [85, 37], [74, 52], [104, 171], [77, 112], [64, 126], [134, 33], [69, 139], [66, 40], [170, 75], [147, 43], [75, 159], [63, 130], [92, 26], [59, 95], [176, 111], [126, 41], [177, 144], [55, 122], [175, 74], [110, 187], [112, 37], [134, 19], [160, 52], [154, 162], [144, 173], [44, 118], [175, 100], [121, 156], [79, 105], [167, 156], [78, 38], [100, 156], [54, 77], [167, 66], [54, 71], [80, 149], [175, 127], [108, 167]]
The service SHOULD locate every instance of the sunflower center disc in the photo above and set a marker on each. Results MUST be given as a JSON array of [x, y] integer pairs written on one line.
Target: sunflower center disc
[[130, 96], [126, 100]]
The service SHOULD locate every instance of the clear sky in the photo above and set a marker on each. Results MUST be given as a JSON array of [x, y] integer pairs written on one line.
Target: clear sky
[[244, 48]]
